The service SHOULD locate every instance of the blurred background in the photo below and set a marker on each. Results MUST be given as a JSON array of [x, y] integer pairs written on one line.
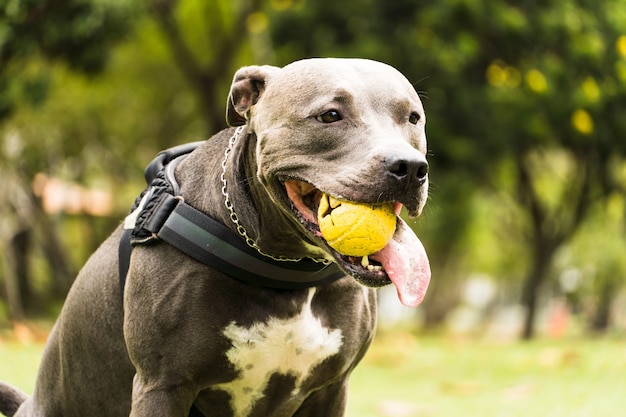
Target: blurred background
[[526, 121]]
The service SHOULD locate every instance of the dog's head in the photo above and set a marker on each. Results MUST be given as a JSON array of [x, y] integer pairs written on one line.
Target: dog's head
[[350, 128]]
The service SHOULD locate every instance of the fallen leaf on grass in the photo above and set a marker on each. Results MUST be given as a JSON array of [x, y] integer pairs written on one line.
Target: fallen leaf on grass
[[467, 387], [399, 409], [23, 333], [553, 357], [520, 391]]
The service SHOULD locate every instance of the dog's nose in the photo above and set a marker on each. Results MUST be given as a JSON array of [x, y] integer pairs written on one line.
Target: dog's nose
[[410, 169]]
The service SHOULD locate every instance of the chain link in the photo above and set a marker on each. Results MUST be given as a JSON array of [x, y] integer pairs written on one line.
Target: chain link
[[235, 219]]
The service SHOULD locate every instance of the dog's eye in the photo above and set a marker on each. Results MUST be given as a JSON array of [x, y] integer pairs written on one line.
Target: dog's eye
[[331, 116], [414, 118]]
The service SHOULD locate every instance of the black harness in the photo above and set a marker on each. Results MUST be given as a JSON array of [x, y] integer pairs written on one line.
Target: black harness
[[160, 213]]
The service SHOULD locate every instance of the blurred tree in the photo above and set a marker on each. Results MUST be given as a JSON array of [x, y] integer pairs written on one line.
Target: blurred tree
[[206, 40], [507, 83], [32, 34], [165, 84], [597, 262], [78, 32]]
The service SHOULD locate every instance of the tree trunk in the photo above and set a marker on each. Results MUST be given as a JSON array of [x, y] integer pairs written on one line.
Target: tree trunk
[[21, 247], [443, 294], [12, 288], [602, 316], [548, 230], [57, 255], [204, 78], [542, 254]]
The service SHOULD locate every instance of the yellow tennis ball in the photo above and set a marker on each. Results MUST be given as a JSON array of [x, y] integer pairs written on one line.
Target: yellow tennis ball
[[355, 229]]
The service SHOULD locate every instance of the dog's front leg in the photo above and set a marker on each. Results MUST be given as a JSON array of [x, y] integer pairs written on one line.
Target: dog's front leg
[[162, 385], [166, 327], [330, 401], [160, 398]]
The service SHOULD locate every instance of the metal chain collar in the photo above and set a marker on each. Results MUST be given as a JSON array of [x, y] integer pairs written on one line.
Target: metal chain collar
[[235, 219]]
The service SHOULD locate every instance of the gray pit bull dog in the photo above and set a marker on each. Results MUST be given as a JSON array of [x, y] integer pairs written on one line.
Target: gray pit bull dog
[[188, 339]]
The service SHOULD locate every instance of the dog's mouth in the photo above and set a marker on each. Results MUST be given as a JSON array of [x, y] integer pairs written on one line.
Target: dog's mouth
[[402, 262], [305, 201]]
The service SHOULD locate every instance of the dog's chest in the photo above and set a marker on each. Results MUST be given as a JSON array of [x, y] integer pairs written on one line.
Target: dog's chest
[[287, 347]]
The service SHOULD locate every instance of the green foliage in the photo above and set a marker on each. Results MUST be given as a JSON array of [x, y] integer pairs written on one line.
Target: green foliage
[[118, 122], [97, 130], [75, 31], [492, 65]]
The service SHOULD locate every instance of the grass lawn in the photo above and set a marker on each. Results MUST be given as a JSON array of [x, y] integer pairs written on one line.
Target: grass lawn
[[408, 376]]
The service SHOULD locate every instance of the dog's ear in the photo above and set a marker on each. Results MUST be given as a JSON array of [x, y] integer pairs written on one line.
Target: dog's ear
[[248, 85]]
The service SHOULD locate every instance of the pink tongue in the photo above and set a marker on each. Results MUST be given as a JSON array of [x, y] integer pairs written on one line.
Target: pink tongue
[[406, 263]]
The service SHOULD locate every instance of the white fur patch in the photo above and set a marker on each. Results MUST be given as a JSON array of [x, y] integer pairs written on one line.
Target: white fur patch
[[288, 347]]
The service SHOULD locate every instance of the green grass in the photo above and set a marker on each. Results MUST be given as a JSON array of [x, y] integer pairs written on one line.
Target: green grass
[[407, 376], [412, 377], [19, 363]]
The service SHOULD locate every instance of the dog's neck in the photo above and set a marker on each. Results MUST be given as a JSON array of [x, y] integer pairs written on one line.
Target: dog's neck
[[202, 187]]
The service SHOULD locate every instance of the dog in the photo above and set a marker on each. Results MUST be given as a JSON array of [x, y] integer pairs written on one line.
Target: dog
[[182, 336]]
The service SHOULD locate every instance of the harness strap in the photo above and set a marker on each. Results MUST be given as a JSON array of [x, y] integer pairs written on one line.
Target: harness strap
[[213, 244], [161, 214]]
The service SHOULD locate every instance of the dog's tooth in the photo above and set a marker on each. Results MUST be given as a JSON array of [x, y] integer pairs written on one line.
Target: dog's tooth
[[374, 268], [365, 262]]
